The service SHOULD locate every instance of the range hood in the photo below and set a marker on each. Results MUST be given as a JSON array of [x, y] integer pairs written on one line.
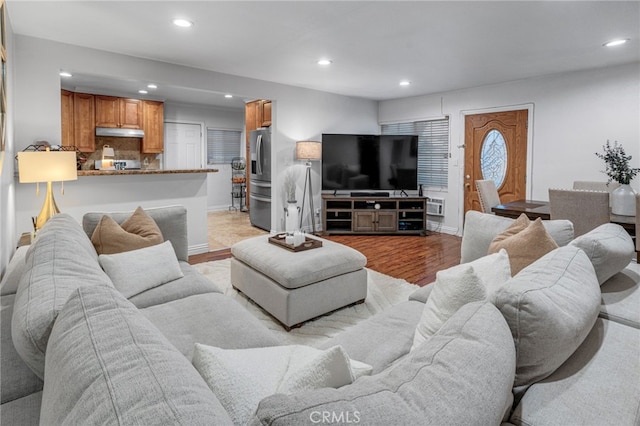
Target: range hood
[[120, 133]]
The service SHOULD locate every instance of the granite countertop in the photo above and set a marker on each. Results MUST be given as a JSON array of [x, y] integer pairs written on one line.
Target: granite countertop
[[141, 172]]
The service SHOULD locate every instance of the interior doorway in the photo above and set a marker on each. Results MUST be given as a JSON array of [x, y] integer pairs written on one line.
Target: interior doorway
[[496, 148], [183, 146]]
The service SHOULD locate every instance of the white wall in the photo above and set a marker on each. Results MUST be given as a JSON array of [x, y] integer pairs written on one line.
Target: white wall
[[297, 113], [8, 234], [573, 115], [218, 184]]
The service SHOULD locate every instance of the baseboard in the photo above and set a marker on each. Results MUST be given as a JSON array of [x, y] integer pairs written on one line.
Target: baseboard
[[198, 248], [435, 226]]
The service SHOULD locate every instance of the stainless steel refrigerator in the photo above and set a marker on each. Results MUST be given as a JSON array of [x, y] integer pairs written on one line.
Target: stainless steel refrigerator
[[260, 180]]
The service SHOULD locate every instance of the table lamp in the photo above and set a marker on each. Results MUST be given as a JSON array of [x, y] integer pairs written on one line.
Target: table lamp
[[309, 151], [47, 166]]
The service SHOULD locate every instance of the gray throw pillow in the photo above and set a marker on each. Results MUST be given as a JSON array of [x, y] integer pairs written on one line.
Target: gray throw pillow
[[135, 271], [107, 364], [550, 307]]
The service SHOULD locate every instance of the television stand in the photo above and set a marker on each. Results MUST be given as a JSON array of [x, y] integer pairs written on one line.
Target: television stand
[[382, 214]]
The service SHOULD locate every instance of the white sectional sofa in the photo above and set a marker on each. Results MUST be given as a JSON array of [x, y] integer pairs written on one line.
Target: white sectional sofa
[[560, 344]]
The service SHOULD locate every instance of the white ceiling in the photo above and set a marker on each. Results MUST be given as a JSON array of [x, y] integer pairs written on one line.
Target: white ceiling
[[438, 46]]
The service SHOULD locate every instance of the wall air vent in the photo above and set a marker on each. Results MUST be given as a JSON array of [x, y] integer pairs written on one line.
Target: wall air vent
[[435, 206]]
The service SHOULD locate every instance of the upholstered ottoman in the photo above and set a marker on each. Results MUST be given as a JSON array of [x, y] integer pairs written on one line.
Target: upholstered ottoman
[[297, 286]]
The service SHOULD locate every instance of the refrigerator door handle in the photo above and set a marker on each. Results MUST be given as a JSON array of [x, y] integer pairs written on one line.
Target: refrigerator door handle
[[259, 198], [259, 155]]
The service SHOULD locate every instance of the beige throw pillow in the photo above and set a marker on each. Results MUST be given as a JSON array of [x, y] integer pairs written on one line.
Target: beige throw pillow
[[524, 243], [137, 232]]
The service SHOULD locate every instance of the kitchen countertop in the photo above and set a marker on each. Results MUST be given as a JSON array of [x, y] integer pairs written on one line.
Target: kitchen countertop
[[141, 172]]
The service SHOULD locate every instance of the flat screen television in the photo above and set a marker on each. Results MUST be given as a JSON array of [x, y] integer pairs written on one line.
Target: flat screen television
[[369, 162]]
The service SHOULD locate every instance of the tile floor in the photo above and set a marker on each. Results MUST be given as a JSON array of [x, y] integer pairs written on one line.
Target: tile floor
[[226, 228]]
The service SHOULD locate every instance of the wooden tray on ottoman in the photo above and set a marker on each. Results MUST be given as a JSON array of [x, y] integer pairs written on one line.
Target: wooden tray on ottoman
[[309, 243]]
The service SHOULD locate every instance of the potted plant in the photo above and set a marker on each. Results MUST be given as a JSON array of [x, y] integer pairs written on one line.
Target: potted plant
[[618, 168]]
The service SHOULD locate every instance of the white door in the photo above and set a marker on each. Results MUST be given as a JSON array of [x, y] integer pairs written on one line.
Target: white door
[[183, 146]]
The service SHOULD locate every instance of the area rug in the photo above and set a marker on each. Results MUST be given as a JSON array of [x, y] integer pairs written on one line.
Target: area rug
[[383, 291]]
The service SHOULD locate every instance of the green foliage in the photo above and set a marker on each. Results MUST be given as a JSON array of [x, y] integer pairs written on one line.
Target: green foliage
[[617, 163]]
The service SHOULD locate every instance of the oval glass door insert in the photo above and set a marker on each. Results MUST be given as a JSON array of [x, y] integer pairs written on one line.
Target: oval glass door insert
[[493, 157]]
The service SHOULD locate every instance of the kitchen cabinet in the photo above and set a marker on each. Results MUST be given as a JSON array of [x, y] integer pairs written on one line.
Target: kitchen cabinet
[[117, 112], [66, 107], [153, 126], [84, 122]]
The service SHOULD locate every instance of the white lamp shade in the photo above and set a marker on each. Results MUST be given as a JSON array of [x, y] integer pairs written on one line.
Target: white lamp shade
[[308, 150], [47, 166]]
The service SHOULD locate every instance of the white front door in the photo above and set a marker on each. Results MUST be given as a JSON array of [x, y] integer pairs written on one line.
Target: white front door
[[183, 146]]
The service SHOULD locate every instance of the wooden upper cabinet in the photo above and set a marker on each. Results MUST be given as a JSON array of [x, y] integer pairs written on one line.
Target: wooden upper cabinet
[[117, 112], [84, 122], [153, 140], [266, 113], [66, 108]]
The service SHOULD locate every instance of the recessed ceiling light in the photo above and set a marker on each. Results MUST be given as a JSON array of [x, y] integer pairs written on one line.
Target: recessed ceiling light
[[405, 83], [616, 42], [325, 62], [152, 86], [65, 74], [228, 96], [144, 92], [184, 23]]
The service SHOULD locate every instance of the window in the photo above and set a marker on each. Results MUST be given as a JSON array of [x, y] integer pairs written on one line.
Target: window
[[222, 145], [433, 148]]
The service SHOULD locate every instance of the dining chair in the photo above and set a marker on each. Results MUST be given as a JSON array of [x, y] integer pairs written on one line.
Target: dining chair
[[488, 194], [585, 209], [596, 186]]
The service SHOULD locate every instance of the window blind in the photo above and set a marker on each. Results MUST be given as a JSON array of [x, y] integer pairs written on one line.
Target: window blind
[[222, 145], [433, 148]]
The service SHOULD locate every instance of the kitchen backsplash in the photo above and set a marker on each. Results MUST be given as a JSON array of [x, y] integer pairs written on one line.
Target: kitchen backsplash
[[125, 149]]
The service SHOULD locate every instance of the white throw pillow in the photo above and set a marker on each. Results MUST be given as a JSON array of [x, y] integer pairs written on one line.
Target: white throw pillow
[[135, 271], [241, 378], [459, 285]]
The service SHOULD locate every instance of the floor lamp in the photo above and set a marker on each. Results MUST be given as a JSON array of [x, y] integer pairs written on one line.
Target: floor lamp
[[309, 151], [47, 166]]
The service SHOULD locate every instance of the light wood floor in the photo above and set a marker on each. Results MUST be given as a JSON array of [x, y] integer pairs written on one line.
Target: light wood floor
[[413, 258]]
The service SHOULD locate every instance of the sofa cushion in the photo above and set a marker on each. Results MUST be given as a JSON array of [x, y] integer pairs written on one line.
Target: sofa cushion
[[60, 260], [190, 284], [13, 272], [525, 242], [24, 411], [598, 385], [121, 369], [17, 380], [135, 271], [240, 378], [172, 221], [621, 297], [138, 231], [609, 247], [394, 326], [211, 319], [462, 375], [550, 307], [481, 228]]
